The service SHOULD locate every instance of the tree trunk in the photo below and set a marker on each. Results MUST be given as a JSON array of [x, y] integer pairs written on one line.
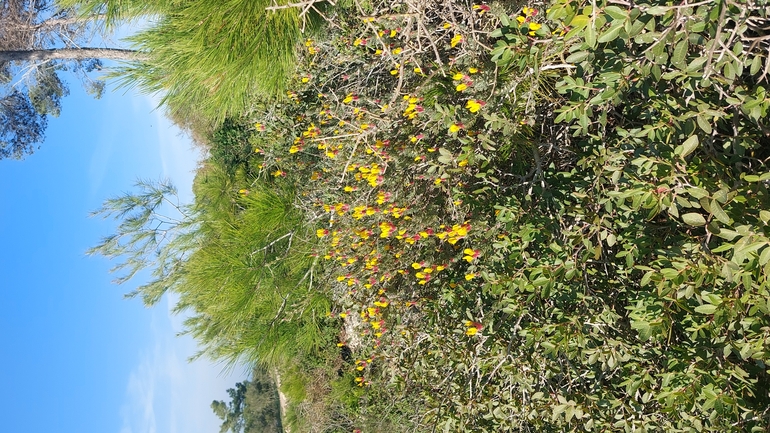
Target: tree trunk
[[70, 54]]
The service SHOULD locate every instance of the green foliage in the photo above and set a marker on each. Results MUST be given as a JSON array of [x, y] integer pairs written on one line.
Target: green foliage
[[230, 145], [207, 58], [601, 249], [547, 221], [240, 265], [254, 406]]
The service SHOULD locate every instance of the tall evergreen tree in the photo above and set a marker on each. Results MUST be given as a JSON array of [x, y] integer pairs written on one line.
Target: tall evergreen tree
[[39, 40]]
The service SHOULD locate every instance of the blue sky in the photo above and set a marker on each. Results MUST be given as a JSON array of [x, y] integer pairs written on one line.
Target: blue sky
[[76, 356]]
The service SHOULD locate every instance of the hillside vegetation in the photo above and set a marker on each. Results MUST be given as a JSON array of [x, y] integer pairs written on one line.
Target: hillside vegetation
[[487, 217]]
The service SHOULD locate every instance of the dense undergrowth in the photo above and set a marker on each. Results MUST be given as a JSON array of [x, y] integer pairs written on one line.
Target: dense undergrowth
[[494, 217]]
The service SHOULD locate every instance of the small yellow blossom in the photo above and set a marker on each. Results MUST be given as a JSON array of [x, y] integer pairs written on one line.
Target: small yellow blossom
[[455, 40], [460, 87], [474, 105]]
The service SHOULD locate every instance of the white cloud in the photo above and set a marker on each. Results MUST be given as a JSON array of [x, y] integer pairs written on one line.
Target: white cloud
[[165, 392]]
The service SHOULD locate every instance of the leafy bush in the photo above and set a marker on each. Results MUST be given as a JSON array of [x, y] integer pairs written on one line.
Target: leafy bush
[[554, 220], [570, 238]]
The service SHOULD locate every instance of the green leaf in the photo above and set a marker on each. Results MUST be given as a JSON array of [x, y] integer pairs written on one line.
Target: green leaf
[[616, 12], [703, 124], [706, 309], [688, 146], [579, 21], [611, 34], [590, 35], [719, 213], [657, 10], [577, 57], [764, 257], [646, 278], [764, 216], [694, 219], [680, 54]]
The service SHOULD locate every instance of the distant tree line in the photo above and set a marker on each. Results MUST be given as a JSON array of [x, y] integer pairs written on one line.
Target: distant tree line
[[254, 406]]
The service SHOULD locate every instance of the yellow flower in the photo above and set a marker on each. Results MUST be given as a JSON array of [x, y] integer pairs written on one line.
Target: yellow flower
[[343, 315], [348, 99], [533, 27], [458, 76], [474, 106], [455, 40], [473, 70], [460, 87], [416, 265], [470, 276], [471, 331], [294, 149], [453, 128], [446, 25], [397, 51]]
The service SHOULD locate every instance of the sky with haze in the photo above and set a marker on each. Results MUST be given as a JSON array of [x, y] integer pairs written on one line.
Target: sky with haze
[[75, 356]]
